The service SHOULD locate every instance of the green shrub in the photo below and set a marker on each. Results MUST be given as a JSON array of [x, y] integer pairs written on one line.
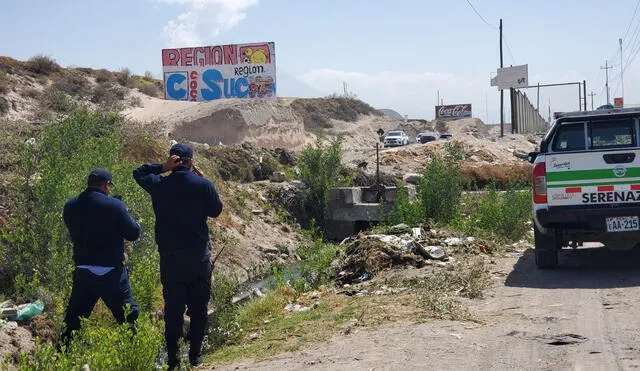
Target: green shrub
[[224, 326], [313, 270], [5, 106], [405, 211], [149, 89], [43, 64], [35, 242], [72, 83], [124, 77], [504, 214], [319, 167], [102, 348], [103, 76], [5, 83], [57, 101], [441, 187], [108, 95]]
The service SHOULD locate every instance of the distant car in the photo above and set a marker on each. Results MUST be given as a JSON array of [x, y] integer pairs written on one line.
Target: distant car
[[396, 138], [431, 136], [446, 136], [428, 138]]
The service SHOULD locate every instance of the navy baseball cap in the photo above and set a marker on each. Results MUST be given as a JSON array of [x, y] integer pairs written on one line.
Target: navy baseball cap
[[100, 175], [182, 150]]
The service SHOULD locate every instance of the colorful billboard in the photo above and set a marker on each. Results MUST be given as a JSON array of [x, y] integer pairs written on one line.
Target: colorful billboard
[[618, 102], [218, 72], [454, 111]]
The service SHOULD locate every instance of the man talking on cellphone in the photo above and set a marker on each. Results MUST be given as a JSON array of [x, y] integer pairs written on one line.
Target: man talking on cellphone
[[182, 202]]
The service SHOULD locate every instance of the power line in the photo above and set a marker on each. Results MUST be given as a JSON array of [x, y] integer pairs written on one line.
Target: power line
[[631, 21], [508, 49], [480, 15]]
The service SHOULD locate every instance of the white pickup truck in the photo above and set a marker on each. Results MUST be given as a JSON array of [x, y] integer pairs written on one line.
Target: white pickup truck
[[586, 183]]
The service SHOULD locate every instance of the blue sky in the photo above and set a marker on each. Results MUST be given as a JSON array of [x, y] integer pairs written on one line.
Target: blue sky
[[392, 54]]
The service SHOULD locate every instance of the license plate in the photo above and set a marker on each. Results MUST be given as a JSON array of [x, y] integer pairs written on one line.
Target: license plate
[[623, 224]]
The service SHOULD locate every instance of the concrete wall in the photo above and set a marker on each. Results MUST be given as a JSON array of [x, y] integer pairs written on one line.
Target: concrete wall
[[352, 209]]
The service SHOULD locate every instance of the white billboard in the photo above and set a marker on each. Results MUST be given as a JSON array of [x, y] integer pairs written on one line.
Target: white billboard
[[511, 77]]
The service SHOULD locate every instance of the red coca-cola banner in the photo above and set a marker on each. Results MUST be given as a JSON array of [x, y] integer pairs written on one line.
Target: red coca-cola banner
[[453, 111]]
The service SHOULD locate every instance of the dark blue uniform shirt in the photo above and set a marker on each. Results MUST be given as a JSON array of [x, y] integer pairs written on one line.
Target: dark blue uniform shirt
[[97, 224], [182, 201]]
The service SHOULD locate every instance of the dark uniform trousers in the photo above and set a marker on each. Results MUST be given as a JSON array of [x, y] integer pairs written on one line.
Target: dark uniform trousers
[[113, 288], [186, 282]]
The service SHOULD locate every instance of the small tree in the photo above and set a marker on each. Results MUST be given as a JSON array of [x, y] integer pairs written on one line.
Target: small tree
[[319, 170], [441, 186]]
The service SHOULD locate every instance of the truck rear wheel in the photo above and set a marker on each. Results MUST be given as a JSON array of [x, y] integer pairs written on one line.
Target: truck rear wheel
[[546, 250]]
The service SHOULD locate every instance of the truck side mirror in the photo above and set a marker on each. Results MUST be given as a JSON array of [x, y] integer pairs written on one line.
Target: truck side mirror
[[531, 157]]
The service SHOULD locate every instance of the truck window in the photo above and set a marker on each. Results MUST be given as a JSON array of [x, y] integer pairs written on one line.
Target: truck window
[[570, 137], [611, 134]]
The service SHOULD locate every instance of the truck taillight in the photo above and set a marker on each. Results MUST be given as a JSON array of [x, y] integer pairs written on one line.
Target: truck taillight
[[540, 183]]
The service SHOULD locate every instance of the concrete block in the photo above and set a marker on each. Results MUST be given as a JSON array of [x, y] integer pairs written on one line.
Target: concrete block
[[344, 196]]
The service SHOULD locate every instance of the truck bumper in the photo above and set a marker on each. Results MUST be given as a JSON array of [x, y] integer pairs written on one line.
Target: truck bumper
[[581, 221]]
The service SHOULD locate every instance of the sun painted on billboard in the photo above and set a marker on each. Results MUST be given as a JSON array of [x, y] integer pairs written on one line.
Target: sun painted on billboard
[[207, 73]]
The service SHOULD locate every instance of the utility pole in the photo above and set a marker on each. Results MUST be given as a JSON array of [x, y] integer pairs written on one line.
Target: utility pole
[[584, 91], [606, 69], [501, 91], [549, 112], [438, 101], [592, 95], [621, 70]]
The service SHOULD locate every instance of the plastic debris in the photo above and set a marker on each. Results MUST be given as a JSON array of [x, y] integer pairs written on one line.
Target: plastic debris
[[455, 241], [431, 252], [299, 308], [27, 311]]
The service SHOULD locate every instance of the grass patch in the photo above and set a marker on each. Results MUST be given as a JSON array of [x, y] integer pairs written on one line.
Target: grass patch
[[440, 293], [269, 330]]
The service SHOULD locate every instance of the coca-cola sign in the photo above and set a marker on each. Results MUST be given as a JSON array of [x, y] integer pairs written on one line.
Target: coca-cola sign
[[454, 111]]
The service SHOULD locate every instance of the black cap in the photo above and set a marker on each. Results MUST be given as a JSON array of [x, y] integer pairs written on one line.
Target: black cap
[[100, 175], [182, 150]]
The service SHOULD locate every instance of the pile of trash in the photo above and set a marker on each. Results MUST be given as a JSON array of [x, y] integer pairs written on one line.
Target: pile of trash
[[401, 245]]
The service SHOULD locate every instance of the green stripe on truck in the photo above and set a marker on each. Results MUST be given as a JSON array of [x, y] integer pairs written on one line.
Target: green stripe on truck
[[586, 175], [560, 185]]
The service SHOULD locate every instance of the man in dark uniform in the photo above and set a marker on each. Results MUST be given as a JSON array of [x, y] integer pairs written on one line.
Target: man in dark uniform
[[98, 224], [182, 201]]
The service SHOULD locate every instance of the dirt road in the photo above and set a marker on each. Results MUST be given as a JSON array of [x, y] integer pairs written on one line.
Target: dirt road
[[582, 316]]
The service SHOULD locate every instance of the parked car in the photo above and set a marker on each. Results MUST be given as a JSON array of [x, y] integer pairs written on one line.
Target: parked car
[[446, 136], [396, 138]]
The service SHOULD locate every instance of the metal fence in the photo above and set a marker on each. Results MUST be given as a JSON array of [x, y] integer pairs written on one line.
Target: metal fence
[[525, 118]]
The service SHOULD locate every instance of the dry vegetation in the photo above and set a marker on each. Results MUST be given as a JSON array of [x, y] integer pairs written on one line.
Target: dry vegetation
[[479, 176], [43, 65], [317, 113]]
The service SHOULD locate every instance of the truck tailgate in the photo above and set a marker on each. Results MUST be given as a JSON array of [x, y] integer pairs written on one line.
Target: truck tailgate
[[592, 178]]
